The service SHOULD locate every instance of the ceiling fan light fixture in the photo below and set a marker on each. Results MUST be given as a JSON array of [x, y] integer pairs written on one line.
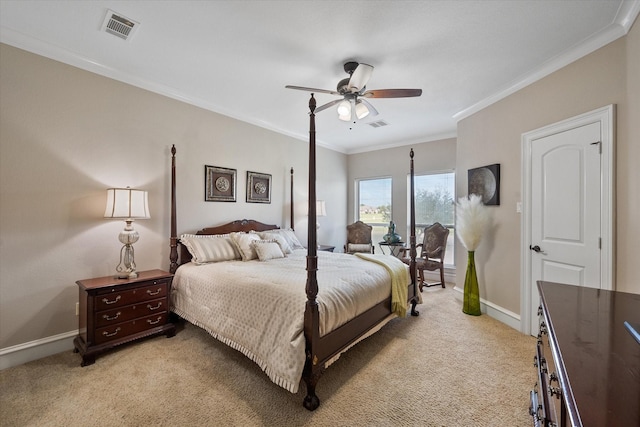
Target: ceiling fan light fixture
[[353, 88], [361, 110], [344, 109], [345, 117]]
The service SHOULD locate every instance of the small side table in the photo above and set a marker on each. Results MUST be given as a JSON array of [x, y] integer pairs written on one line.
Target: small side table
[[118, 311], [395, 249]]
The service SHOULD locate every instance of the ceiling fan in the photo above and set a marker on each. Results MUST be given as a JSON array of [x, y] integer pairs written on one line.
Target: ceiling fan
[[353, 91]]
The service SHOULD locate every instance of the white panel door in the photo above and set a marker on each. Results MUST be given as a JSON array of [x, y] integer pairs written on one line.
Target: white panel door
[[567, 224]]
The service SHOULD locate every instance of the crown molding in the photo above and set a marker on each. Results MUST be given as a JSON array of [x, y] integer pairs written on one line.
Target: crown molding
[[415, 141], [623, 22], [59, 54]]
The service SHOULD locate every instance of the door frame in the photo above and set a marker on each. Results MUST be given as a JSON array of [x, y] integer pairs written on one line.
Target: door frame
[[606, 117]]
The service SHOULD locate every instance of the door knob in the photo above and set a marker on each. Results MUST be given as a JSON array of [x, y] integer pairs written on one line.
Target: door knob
[[535, 248]]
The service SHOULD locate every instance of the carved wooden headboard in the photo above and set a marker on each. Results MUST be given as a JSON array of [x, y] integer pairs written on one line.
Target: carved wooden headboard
[[240, 225]]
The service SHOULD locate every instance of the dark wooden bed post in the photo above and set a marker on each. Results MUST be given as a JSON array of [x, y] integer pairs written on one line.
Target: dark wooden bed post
[[318, 350], [291, 200], [173, 255], [312, 369], [412, 238]]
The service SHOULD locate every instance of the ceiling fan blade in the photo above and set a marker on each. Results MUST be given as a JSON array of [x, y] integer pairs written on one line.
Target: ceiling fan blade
[[327, 105], [311, 89], [360, 77], [392, 93], [372, 110]]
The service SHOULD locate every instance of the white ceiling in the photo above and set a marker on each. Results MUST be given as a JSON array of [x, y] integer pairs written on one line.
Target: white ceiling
[[235, 57]]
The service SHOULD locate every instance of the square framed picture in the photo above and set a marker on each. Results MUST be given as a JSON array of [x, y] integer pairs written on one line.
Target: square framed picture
[[219, 184], [485, 182], [258, 187]]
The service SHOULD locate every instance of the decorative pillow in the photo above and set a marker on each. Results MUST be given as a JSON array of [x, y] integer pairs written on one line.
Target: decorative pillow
[[243, 241], [358, 247], [290, 236], [267, 249], [282, 241], [209, 248]]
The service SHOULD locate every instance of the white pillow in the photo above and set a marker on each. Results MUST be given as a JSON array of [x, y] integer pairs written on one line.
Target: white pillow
[[356, 247], [282, 241], [290, 236], [267, 249], [243, 241], [209, 248]]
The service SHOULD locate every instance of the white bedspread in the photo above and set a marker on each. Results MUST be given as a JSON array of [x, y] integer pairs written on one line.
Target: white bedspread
[[258, 307]]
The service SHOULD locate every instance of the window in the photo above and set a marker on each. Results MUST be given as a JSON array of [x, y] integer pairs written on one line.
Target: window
[[435, 202], [374, 205]]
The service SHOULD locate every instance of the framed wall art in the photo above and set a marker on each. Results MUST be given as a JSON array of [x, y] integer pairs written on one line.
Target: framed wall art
[[485, 182], [219, 184], [258, 187]]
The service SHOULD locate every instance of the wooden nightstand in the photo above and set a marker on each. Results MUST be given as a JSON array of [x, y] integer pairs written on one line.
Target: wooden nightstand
[[326, 248], [117, 311]]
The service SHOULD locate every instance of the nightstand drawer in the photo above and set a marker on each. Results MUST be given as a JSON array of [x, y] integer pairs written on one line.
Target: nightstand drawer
[[131, 327], [122, 314], [116, 297]]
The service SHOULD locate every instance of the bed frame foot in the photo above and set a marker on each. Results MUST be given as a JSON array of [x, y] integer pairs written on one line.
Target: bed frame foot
[[311, 400], [414, 312]]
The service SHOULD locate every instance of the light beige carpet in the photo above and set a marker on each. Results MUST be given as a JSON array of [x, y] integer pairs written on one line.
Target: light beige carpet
[[443, 368]]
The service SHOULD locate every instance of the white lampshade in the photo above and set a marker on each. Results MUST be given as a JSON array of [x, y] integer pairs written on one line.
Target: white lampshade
[[321, 208], [344, 108], [361, 110], [127, 203]]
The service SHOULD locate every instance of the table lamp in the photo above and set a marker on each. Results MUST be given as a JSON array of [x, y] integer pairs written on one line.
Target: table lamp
[[127, 204], [321, 210]]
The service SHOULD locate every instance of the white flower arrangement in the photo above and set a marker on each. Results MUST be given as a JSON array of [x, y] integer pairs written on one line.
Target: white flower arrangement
[[472, 219]]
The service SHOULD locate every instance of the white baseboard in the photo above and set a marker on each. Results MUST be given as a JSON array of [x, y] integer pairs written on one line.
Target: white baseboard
[[33, 350], [501, 314]]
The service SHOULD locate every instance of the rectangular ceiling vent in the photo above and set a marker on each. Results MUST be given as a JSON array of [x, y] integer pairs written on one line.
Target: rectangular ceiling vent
[[378, 124], [118, 25]]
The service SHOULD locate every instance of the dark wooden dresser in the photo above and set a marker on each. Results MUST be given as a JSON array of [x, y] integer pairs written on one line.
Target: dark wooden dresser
[[116, 311], [588, 363]]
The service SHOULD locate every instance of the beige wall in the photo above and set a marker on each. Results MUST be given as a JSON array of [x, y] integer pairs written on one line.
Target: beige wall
[[610, 75], [628, 172], [66, 135], [434, 156]]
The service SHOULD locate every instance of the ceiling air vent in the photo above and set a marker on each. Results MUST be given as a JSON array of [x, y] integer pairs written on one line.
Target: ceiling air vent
[[119, 26], [378, 124]]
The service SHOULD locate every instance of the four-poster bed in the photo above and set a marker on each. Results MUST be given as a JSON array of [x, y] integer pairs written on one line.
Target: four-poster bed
[[324, 332]]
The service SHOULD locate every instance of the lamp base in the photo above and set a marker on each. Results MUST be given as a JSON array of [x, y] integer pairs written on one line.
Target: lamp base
[[126, 268], [126, 275]]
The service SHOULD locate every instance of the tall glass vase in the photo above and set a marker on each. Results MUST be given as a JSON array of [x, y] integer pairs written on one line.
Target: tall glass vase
[[471, 302]]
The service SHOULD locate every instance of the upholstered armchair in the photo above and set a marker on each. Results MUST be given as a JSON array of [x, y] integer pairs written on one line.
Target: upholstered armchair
[[431, 254], [359, 238]]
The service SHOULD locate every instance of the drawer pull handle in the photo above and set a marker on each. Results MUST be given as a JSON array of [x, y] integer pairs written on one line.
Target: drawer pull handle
[[152, 322], [543, 328], [106, 301], [150, 292], [106, 316], [555, 391], [154, 308], [107, 334]]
